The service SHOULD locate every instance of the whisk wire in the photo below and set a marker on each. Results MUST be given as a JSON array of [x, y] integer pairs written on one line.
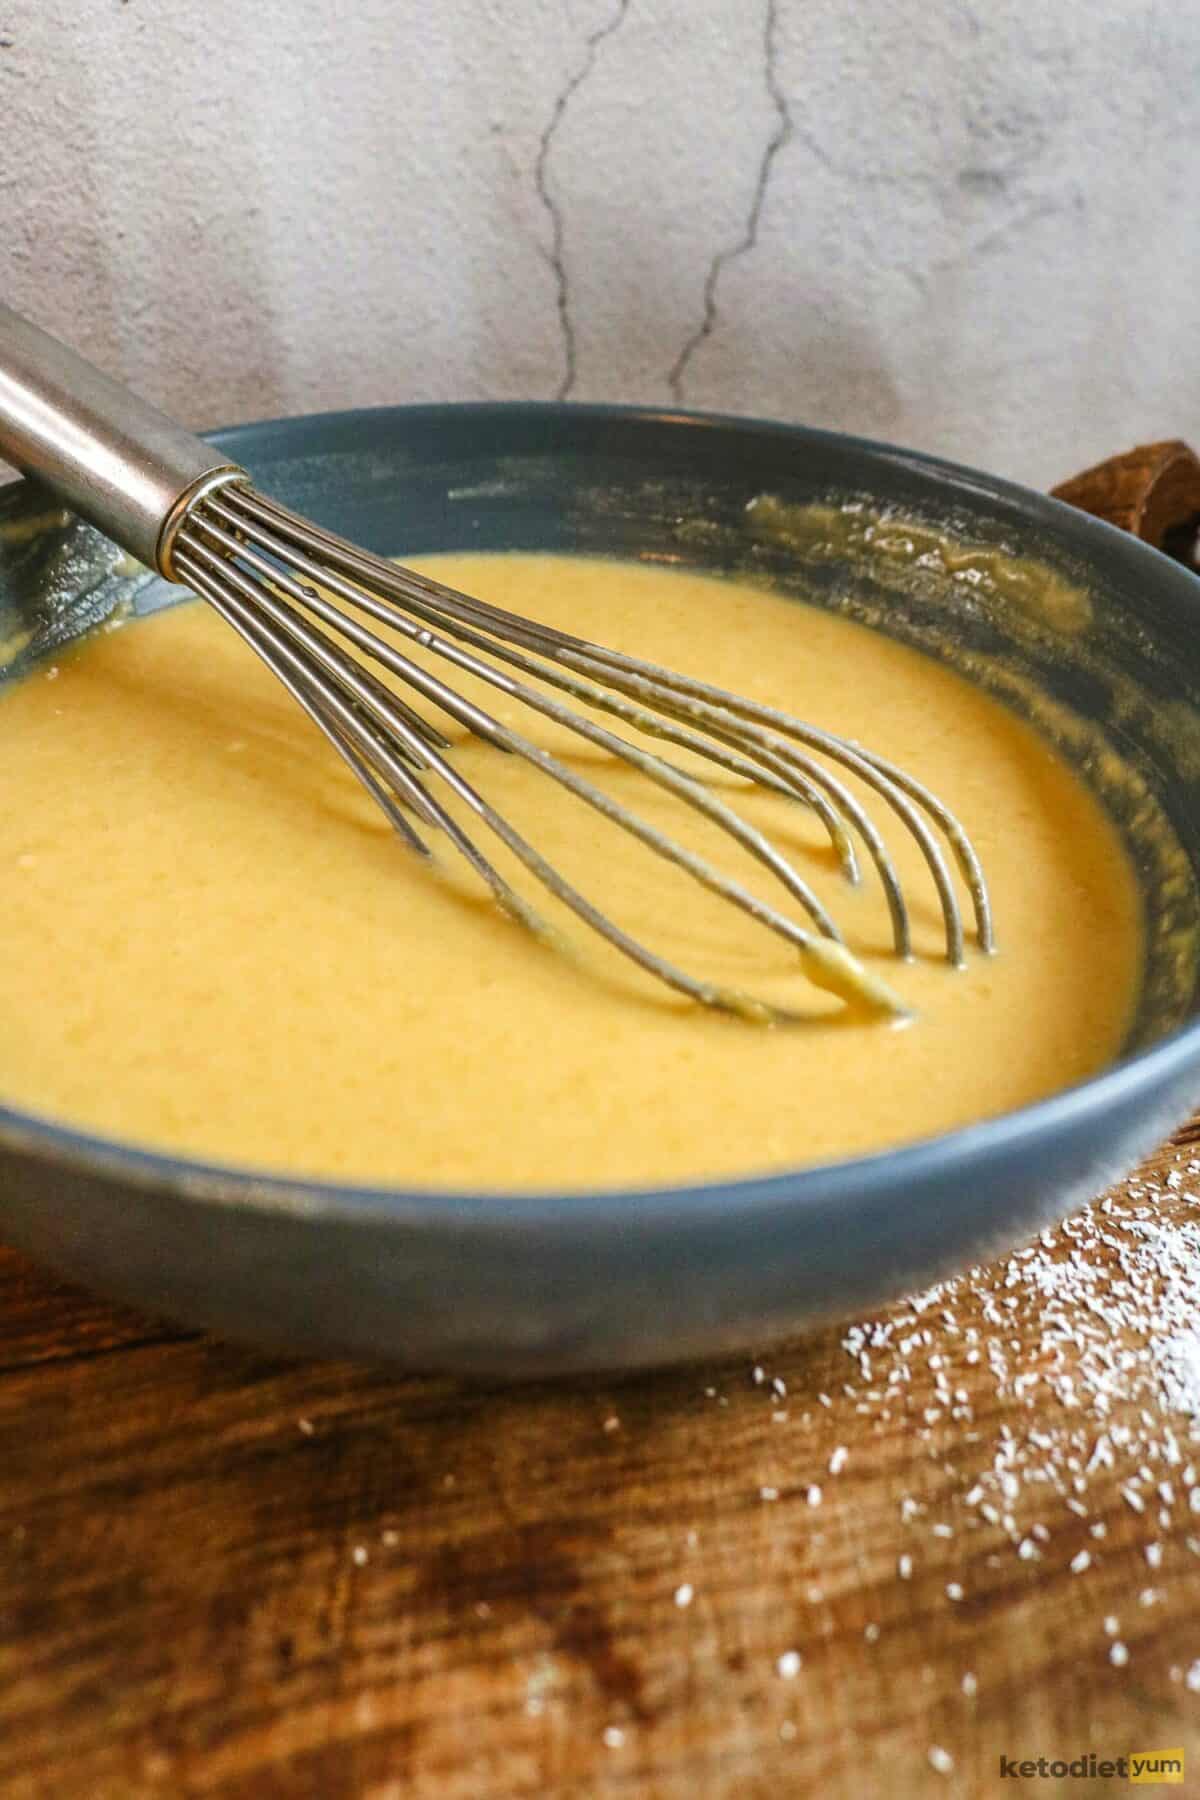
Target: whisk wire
[[794, 783], [662, 773], [729, 718], [259, 563], [319, 655]]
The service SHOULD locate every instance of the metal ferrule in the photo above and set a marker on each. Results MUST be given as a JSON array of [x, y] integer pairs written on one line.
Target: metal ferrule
[[119, 462]]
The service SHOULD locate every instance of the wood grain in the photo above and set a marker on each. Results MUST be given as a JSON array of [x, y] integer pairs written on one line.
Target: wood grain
[[182, 1611], [222, 1575]]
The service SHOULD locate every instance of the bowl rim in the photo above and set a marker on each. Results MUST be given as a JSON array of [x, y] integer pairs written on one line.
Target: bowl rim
[[954, 1153]]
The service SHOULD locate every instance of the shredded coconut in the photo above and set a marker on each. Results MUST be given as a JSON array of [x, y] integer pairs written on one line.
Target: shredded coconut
[[1085, 1343]]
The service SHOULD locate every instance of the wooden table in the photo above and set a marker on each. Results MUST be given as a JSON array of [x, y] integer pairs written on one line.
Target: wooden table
[[228, 1576], [224, 1575]]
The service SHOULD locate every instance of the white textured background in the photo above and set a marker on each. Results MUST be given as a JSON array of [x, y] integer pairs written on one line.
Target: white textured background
[[968, 225]]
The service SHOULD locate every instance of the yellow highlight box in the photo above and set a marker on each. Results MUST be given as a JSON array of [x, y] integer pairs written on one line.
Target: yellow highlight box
[[1156, 1768]]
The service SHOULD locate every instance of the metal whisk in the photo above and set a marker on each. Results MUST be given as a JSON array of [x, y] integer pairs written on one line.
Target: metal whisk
[[183, 509]]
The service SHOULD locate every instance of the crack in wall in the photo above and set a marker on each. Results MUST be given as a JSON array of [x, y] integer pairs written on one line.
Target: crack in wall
[[555, 256], [783, 130]]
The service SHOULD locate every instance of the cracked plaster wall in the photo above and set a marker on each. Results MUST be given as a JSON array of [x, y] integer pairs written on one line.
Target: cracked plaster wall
[[970, 227]]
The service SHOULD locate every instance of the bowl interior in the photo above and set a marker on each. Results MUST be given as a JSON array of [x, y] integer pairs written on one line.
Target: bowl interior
[[1087, 633]]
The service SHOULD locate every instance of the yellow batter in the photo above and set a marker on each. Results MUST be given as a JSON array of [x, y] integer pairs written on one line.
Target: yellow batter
[[214, 944]]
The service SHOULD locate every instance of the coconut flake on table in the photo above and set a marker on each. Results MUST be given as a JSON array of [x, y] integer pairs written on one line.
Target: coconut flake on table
[[1090, 1333]]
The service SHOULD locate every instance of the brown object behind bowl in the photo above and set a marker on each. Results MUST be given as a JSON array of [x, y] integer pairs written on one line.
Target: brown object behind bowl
[[1152, 491]]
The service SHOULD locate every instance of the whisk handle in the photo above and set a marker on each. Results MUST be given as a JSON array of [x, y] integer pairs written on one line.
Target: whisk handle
[[113, 458]]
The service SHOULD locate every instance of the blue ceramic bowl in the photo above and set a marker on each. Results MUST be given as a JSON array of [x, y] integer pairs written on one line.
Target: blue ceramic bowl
[[505, 1283]]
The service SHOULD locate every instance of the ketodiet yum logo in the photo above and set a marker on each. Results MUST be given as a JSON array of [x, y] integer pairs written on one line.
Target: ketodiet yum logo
[[1140, 1768]]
